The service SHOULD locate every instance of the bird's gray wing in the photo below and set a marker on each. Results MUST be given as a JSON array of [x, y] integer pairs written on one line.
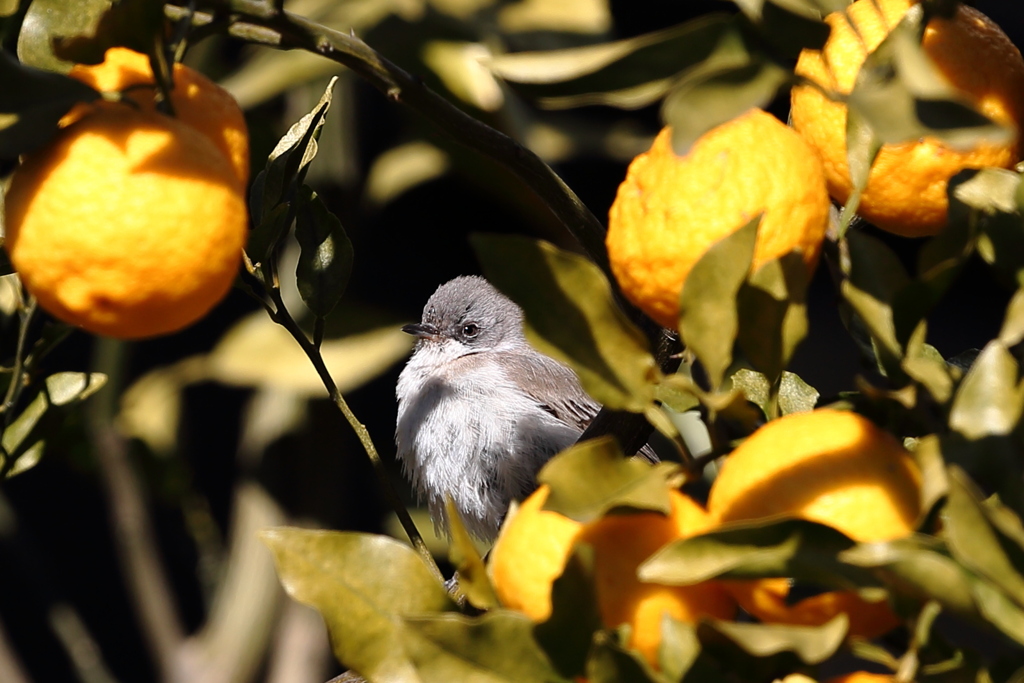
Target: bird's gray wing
[[556, 388]]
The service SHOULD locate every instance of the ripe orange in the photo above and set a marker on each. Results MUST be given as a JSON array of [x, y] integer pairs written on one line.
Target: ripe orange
[[906, 190], [197, 101], [862, 677], [827, 466], [671, 209], [534, 545], [129, 223]]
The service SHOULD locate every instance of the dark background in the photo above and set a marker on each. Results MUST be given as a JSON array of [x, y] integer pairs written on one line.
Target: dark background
[[403, 251]]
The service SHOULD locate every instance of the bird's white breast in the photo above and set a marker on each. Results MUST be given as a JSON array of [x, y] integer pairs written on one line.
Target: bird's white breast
[[469, 432]]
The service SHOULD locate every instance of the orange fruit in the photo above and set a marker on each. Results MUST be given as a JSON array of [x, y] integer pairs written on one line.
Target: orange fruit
[[197, 101], [767, 599], [129, 223], [862, 677], [672, 209], [906, 190], [530, 553], [621, 544], [534, 545], [827, 466]]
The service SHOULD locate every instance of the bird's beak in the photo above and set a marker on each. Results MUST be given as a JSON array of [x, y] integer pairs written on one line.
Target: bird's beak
[[421, 330]]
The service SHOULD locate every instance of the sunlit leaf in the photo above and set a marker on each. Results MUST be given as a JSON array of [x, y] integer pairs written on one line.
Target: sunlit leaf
[[975, 543], [593, 477], [811, 644], [990, 398], [473, 580], [257, 352], [46, 20], [571, 316], [364, 586], [708, 315], [497, 647], [134, 24]]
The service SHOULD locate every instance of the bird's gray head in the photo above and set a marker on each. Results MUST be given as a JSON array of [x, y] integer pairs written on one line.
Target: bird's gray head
[[469, 314]]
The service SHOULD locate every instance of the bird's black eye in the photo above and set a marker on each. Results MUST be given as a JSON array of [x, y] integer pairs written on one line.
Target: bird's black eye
[[470, 330]]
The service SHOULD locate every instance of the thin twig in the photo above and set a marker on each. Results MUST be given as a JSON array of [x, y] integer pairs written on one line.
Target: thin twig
[[279, 314]]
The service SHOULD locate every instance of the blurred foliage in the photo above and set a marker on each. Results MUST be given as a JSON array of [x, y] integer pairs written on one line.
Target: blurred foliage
[[507, 64]]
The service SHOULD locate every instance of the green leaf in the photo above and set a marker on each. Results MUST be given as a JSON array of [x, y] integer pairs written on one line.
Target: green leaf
[[704, 100], [990, 399], [286, 166], [592, 477], [876, 276], [47, 20], [1012, 331], [975, 543], [679, 649], [325, 260], [902, 96], [810, 644], [25, 438], [791, 25], [708, 312], [364, 586], [796, 395], [572, 316], [921, 567], [934, 481], [32, 101], [610, 662], [998, 609], [135, 24], [473, 580], [799, 549], [629, 73], [926, 365], [497, 647], [772, 309], [575, 614]]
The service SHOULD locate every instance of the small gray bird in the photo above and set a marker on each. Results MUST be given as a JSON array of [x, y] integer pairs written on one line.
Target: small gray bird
[[479, 409]]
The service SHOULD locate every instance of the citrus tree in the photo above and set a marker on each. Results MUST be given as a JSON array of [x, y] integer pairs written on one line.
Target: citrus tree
[[871, 534]]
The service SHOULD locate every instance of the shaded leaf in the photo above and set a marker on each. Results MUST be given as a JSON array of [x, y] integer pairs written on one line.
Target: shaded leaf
[[134, 24], [773, 313], [990, 399], [628, 73], [610, 662], [325, 262], [32, 101], [902, 95], [708, 315], [791, 26], [46, 20], [474, 582], [975, 543], [575, 616], [572, 316], [704, 100], [765, 548], [364, 586], [918, 566], [998, 609], [593, 477], [811, 644], [24, 439], [497, 647]]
